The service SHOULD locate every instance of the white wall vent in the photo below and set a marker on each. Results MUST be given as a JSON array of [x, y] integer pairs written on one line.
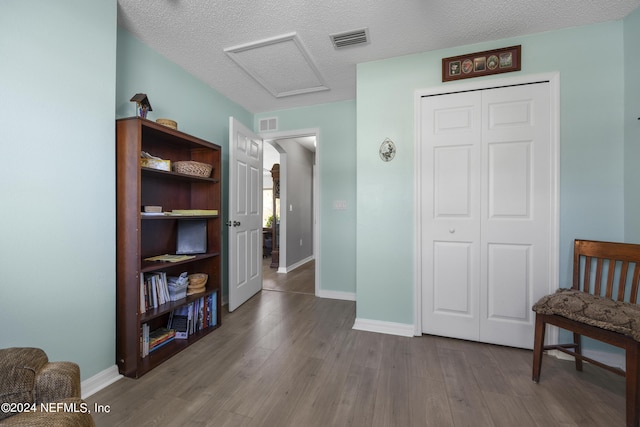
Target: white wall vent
[[268, 125], [350, 38]]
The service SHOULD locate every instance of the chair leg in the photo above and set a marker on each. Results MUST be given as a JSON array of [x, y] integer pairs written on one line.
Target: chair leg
[[538, 347], [577, 341], [632, 379]]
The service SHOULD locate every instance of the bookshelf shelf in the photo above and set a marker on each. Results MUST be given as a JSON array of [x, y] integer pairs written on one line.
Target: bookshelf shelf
[[174, 175], [142, 236], [170, 306], [149, 266]]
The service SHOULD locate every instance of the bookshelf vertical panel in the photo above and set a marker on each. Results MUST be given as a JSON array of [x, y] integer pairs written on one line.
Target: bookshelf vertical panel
[[141, 236]]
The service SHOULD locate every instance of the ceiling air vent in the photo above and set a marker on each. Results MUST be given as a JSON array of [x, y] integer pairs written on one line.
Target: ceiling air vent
[[350, 38]]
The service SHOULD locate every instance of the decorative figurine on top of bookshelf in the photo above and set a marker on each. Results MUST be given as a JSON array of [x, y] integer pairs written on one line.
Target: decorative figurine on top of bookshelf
[[142, 104]]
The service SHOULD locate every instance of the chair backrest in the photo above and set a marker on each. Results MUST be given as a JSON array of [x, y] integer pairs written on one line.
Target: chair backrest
[[617, 269]]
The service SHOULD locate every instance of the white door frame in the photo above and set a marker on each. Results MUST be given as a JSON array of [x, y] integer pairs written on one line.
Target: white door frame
[[272, 137], [554, 87]]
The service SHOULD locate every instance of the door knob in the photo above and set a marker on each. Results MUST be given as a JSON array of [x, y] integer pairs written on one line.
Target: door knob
[[452, 230], [236, 223]]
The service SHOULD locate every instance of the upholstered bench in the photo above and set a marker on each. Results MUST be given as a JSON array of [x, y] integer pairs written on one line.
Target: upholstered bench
[[601, 304]]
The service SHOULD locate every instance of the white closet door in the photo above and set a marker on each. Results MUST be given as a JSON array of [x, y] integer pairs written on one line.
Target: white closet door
[[451, 138], [485, 195], [516, 192]]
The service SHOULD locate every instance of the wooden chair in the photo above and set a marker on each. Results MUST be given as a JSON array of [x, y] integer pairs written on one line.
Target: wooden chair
[[601, 304]]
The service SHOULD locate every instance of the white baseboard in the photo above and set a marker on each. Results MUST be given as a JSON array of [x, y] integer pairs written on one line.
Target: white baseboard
[[346, 296], [99, 381], [391, 328], [615, 360], [288, 269]]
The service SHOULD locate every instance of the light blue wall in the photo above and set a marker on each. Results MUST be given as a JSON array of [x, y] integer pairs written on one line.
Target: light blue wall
[[590, 62], [57, 180], [175, 94], [337, 158], [632, 126]]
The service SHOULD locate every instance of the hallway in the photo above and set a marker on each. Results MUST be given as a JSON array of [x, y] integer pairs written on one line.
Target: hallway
[[301, 280]]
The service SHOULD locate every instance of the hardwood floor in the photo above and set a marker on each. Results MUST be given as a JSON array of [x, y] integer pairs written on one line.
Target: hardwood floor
[[301, 280], [291, 359]]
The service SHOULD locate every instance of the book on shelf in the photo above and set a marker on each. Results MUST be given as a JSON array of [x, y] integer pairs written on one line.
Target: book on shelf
[[160, 337], [163, 343], [212, 309], [198, 315], [143, 295], [144, 340], [154, 290]]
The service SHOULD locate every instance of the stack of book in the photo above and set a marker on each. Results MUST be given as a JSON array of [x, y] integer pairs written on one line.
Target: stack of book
[[153, 340]]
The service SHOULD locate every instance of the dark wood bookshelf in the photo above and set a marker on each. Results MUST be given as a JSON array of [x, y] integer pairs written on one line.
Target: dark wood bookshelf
[[141, 236]]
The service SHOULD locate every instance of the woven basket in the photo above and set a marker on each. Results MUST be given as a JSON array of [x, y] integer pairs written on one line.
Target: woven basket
[[198, 280], [197, 283], [168, 123], [190, 167]]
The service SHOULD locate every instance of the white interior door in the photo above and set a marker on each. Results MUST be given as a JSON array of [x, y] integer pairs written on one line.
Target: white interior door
[[245, 214], [486, 197]]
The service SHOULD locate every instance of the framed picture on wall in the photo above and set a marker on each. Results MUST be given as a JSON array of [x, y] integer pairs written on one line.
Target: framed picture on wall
[[478, 64]]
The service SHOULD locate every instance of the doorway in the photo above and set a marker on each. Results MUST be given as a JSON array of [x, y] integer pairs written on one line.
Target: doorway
[[297, 269], [487, 188]]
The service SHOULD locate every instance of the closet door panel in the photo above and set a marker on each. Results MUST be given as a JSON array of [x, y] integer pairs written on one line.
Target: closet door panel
[[451, 214], [515, 205]]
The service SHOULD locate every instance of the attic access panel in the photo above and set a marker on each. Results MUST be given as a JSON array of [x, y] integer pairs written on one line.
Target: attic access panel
[[280, 64]]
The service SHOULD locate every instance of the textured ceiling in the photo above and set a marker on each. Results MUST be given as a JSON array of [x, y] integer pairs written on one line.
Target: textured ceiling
[[195, 34]]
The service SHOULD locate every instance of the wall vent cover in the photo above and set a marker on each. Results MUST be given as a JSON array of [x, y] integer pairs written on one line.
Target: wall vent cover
[[350, 38], [268, 125]]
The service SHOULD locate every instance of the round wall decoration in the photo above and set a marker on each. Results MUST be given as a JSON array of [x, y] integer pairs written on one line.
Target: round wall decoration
[[387, 150]]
